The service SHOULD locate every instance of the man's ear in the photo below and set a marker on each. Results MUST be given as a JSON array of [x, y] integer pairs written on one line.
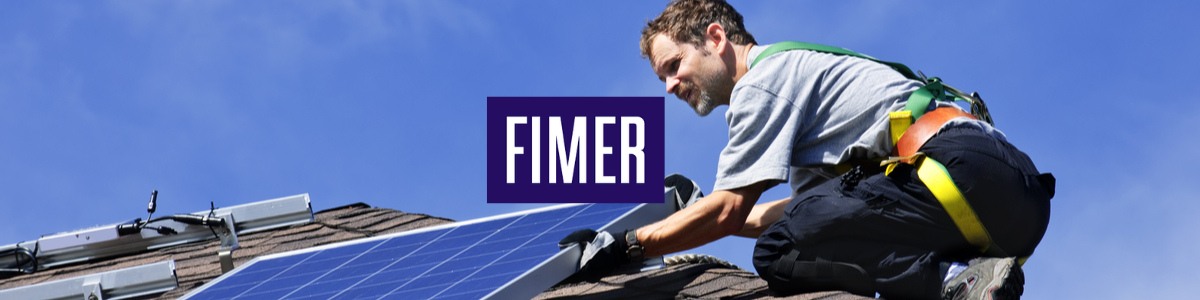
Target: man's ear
[[714, 38]]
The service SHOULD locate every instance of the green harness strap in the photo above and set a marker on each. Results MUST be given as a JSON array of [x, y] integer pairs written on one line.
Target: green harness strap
[[918, 101], [791, 45]]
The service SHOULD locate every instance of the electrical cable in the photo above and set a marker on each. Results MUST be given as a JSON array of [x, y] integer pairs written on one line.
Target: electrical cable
[[212, 208], [208, 221], [25, 261], [29, 266], [211, 221]]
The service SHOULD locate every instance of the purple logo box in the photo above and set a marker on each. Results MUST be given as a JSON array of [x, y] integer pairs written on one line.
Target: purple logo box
[[533, 164]]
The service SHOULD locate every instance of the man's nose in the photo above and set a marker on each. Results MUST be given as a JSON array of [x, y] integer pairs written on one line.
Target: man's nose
[[672, 84]]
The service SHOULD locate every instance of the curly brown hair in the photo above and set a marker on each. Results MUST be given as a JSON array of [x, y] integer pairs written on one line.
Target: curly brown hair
[[685, 21]]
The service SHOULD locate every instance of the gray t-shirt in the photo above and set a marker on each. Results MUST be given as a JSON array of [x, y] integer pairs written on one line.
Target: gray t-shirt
[[797, 114]]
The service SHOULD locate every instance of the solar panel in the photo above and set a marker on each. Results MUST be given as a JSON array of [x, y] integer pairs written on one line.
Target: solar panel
[[465, 260]]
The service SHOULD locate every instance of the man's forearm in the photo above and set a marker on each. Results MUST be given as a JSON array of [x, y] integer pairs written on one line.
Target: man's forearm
[[718, 215], [762, 216]]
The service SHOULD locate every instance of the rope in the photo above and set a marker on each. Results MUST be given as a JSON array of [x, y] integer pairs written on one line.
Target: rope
[[697, 259]]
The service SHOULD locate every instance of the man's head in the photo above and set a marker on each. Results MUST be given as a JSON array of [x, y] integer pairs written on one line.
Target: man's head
[[690, 48]]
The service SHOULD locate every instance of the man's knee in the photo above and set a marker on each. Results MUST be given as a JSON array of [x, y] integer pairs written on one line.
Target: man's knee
[[791, 274]]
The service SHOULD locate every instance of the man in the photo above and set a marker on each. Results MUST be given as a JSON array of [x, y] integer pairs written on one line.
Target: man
[[800, 116]]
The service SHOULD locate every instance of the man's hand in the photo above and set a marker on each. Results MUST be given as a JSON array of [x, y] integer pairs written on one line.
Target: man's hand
[[602, 252], [686, 190]]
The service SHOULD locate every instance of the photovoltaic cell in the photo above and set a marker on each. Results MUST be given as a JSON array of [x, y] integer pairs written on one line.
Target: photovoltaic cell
[[466, 260]]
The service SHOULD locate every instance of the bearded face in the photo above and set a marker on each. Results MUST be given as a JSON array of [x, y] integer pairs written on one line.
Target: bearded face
[[693, 74], [711, 85]]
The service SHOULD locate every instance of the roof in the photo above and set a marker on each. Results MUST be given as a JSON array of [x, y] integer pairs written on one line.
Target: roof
[[197, 263], [705, 280]]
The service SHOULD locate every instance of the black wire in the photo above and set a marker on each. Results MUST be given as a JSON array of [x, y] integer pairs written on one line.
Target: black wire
[[212, 214], [27, 267], [37, 247], [30, 263], [209, 221], [203, 220], [158, 219]]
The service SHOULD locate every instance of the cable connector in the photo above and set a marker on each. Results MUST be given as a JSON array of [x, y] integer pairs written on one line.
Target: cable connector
[[130, 228], [162, 230], [198, 220], [153, 203]]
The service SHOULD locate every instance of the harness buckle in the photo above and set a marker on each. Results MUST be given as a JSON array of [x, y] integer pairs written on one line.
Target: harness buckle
[[892, 161]]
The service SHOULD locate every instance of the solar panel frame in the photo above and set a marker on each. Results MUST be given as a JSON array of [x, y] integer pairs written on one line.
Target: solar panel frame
[[528, 284], [566, 262]]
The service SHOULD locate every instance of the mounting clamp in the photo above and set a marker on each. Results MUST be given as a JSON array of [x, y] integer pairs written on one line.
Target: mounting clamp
[[229, 242]]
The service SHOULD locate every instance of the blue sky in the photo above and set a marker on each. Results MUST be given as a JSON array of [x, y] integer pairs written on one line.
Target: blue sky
[[383, 102]]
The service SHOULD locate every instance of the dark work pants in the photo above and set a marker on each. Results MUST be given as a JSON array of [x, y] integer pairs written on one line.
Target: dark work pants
[[892, 227]]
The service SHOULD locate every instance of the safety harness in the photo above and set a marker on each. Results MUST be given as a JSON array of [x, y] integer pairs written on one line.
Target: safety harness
[[915, 125]]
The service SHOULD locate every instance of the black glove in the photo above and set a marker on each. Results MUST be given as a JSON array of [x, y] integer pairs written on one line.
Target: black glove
[[686, 190], [602, 252]]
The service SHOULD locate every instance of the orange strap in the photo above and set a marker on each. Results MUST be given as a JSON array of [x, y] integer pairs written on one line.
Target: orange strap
[[925, 127]]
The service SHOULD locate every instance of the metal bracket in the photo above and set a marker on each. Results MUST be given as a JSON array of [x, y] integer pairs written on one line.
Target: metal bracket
[[226, 258], [229, 242], [92, 289], [653, 263]]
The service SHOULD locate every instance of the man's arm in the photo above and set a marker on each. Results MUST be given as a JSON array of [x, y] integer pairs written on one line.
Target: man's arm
[[720, 214], [762, 216]]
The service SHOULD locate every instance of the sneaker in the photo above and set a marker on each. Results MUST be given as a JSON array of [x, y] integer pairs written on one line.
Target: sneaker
[[987, 278]]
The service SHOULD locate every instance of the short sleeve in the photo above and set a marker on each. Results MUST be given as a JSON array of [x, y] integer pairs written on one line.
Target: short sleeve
[[762, 129]]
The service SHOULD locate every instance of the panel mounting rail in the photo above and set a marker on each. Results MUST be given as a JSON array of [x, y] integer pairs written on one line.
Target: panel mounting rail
[[105, 241], [119, 284]]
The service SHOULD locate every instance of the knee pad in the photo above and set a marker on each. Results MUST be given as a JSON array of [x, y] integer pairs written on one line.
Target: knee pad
[[789, 276]]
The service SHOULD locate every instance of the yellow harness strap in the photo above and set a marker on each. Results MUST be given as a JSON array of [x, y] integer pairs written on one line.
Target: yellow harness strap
[[900, 120], [938, 180], [934, 175]]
